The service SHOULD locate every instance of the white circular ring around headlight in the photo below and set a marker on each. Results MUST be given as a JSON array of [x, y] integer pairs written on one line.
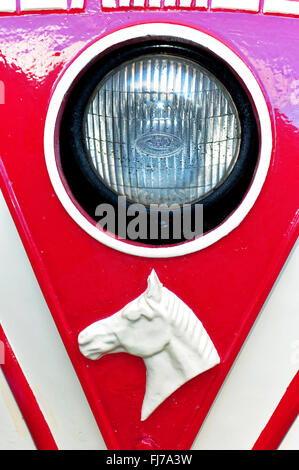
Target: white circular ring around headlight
[[198, 38]]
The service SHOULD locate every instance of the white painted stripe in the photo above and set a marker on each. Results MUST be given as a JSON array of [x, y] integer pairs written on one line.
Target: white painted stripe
[[77, 4], [108, 3], [14, 434], [248, 5], [10, 6], [124, 3], [291, 441], [281, 6], [37, 345], [261, 374], [31, 5]]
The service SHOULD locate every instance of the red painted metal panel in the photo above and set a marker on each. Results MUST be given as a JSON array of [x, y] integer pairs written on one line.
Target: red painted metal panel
[[25, 399], [84, 281], [281, 420]]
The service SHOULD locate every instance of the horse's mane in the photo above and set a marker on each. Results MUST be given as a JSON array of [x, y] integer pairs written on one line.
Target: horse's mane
[[192, 353], [187, 325]]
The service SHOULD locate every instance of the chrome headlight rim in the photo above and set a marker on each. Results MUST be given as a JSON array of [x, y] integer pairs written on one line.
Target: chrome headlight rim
[[81, 177]]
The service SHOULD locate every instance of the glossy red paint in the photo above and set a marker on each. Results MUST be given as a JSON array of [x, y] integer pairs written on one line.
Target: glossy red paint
[[25, 399], [84, 281], [281, 420]]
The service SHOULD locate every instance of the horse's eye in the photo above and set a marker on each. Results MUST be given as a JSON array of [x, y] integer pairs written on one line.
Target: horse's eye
[[131, 315]]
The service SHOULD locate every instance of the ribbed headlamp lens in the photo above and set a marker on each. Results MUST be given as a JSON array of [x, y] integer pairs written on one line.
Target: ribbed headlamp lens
[[161, 129]]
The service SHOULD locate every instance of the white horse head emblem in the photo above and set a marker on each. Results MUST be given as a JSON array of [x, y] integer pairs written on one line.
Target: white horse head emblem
[[160, 328]]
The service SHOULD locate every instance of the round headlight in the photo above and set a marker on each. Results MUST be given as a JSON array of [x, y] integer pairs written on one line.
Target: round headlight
[[162, 124], [161, 129]]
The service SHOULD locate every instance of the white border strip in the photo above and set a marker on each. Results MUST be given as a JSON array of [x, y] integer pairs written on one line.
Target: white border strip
[[201, 3], [185, 3], [190, 35], [10, 6], [154, 3], [286, 7], [33, 5], [79, 4], [247, 5], [169, 3], [108, 4]]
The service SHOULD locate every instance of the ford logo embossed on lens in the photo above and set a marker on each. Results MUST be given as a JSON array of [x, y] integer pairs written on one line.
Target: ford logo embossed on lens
[[159, 145]]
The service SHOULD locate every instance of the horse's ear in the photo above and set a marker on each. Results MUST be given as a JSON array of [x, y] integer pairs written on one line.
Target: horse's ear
[[154, 287]]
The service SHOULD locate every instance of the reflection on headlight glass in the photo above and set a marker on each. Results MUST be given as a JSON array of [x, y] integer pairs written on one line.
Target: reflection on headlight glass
[[162, 130]]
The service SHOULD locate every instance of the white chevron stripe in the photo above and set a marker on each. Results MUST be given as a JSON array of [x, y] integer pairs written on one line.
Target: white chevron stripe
[[13, 430], [49, 371], [262, 372], [291, 441]]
